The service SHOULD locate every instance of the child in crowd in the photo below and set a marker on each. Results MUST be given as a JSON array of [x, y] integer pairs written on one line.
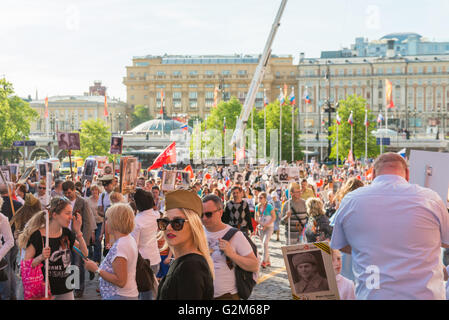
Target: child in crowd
[[345, 286]]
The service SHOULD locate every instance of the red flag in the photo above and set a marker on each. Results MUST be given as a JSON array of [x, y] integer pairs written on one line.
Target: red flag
[[106, 113], [46, 107], [369, 174], [240, 154], [166, 157], [189, 169], [162, 102]]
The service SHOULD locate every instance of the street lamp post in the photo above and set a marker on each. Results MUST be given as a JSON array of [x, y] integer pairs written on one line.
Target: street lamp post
[[329, 109]]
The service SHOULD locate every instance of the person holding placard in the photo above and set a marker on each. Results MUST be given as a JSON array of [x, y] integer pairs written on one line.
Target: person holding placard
[[61, 242]]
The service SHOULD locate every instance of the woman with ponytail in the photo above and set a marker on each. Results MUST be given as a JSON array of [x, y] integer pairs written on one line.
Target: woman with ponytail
[[190, 276], [61, 242]]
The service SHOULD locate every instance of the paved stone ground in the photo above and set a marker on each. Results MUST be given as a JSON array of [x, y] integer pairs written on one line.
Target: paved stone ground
[[275, 287]]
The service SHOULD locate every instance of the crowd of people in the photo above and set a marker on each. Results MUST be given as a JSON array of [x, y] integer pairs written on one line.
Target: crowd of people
[[369, 213]]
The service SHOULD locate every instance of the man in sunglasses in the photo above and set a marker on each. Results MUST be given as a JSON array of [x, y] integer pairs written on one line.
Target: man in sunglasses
[[225, 254], [237, 213], [41, 194]]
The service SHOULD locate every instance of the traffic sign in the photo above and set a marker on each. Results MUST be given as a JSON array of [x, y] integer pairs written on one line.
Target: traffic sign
[[385, 141], [30, 143], [18, 143]]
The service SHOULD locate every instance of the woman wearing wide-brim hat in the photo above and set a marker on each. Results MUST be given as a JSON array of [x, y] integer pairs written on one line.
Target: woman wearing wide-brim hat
[[190, 276]]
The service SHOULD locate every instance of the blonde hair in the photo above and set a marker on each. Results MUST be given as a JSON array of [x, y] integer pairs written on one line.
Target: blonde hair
[[35, 223], [350, 185], [314, 207], [199, 236], [294, 185], [116, 197], [120, 217], [57, 204], [95, 186]]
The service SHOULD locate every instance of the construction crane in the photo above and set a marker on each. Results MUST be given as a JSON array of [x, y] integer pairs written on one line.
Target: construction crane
[[237, 137]]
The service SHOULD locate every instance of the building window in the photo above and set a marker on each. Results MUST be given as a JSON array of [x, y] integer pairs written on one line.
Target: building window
[[429, 70], [209, 85], [177, 86], [380, 71], [241, 72], [242, 85], [177, 95], [420, 70], [226, 72], [160, 86], [209, 73], [145, 97], [160, 73], [176, 74], [193, 85], [131, 75], [193, 73], [278, 74], [145, 87], [132, 97], [398, 70]]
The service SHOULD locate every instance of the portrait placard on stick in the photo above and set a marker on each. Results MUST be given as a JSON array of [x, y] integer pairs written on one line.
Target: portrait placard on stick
[[310, 271], [116, 145], [89, 169], [26, 175], [6, 173], [168, 180], [287, 174]]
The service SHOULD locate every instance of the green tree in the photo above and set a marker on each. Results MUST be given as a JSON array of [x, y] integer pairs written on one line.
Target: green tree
[[16, 116], [140, 115], [356, 104], [95, 139], [273, 122]]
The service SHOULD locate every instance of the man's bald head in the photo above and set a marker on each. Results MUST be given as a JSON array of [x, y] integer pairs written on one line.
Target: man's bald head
[[391, 163]]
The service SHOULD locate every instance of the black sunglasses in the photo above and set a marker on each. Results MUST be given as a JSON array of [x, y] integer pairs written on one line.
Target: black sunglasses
[[42, 188], [208, 214], [177, 224]]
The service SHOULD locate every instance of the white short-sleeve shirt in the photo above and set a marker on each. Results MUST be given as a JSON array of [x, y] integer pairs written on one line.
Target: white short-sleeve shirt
[[224, 281], [395, 230]]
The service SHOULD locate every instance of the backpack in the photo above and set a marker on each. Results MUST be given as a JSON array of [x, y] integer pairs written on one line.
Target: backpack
[[144, 275], [244, 279]]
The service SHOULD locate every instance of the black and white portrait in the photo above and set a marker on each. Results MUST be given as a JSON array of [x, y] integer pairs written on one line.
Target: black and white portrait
[[63, 141], [168, 180], [308, 272], [74, 141], [287, 174]]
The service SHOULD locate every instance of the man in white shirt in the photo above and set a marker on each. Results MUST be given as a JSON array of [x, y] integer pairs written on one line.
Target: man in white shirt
[[394, 231], [237, 249]]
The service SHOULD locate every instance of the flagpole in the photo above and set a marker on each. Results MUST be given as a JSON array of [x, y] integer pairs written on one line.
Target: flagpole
[[337, 145], [280, 133], [351, 141], [305, 128], [293, 134], [366, 134], [265, 133]]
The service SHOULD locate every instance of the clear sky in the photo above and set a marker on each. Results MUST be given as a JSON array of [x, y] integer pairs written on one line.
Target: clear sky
[[61, 47]]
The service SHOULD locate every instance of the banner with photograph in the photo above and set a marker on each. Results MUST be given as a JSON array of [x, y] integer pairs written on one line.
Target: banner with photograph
[[287, 174], [310, 271], [116, 145], [69, 141], [6, 174], [129, 171], [168, 180], [26, 174], [89, 169]]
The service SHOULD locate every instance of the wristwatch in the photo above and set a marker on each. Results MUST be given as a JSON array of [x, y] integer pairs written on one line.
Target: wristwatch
[[98, 271]]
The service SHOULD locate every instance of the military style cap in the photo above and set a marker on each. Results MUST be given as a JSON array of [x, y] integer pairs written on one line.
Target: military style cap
[[107, 177], [304, 258], [183, 199]]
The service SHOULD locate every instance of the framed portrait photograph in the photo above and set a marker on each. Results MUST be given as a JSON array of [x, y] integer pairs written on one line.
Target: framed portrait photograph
[[287, 174], [310, 271], [63, 140], [89, 169], [168, 180], [74, 141], [108, 169], [5, 174], [239, 178], [116, 145], [26, 174], [184, 179], [42, 170], [130, 172]]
